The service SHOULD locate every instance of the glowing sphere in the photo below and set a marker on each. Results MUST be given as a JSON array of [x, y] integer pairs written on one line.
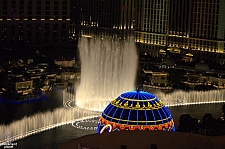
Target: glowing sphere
[[136, 110]]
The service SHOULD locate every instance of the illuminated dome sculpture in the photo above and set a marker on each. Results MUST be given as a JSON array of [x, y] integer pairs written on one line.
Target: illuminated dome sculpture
[[136, 110]]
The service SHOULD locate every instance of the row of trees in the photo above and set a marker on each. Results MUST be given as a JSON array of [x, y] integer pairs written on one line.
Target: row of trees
[[207, 126]]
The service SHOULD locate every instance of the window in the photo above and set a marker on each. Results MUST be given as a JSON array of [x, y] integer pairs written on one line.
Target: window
[[64, 7], [46, 40], [55, 34], [38, 17], [56, 17], [4, 18], [47, 2], [38, 34], [47, 7], [56, 3], [38, 2], [38, 26], [21, 33], [21, 17], [63, 17], [46, 33], [55, 40], [63, 26], [29, 26], [63, 33], [13, 26], [12, 34], [29, 33], [47, 18], [64, 2], [55, 26], [29, 17], [13, 2], [46, 26], [64, 13]]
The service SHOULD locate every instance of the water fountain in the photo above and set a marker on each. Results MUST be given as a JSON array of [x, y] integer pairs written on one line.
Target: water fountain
[[43, 121], [108, 68], [180, 97]]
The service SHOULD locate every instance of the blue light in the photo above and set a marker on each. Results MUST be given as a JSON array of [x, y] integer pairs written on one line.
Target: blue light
[[160, 115], [165, 115], [114, 114], [121, 115], [153, 117]]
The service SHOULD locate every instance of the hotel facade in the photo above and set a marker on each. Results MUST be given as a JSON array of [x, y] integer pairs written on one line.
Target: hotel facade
[[184, 27], [105, 18], [35, 22], [194, 27]]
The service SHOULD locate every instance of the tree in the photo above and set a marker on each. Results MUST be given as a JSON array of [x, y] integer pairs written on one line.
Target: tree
[[207, 123], [223, 109], [187, 123]]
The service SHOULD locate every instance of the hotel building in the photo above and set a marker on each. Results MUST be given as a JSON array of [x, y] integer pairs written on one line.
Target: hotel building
[[177, 27], [194, 27], [34, 22], [106, 18]]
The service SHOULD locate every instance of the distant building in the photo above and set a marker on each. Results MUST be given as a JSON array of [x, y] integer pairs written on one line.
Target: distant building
[[34, 22], [17, 85], [182, 27], [160, 79], [174, 27], [106, 18], [64, 62]]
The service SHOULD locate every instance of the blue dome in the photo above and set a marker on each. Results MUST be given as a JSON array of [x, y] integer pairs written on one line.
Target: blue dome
[[137, 109]]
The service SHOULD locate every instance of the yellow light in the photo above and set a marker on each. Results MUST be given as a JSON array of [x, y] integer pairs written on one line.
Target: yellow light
[[88, 36]]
